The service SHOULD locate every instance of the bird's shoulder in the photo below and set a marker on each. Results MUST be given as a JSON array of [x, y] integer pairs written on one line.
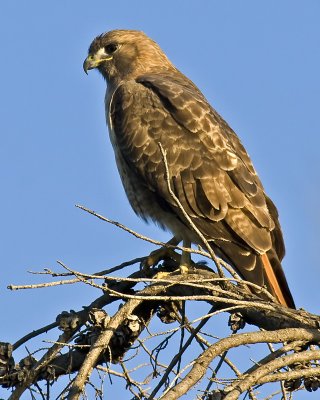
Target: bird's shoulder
[[203, 127]]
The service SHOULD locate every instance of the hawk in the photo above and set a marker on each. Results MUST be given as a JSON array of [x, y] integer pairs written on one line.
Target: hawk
[[151, 106]]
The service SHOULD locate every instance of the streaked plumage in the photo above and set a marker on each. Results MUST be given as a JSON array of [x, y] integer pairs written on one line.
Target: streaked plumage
[[148, 101]]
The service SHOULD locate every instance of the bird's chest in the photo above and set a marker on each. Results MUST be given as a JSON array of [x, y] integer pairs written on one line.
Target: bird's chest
[[139, 195], [135, 119], [131, 142]]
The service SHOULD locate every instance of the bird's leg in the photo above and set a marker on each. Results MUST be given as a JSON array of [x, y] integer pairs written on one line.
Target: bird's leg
[[185, 261], [164, 252]]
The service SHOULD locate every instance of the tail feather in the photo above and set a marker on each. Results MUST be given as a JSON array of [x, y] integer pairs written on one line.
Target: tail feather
[[277, 282], [263, 270]]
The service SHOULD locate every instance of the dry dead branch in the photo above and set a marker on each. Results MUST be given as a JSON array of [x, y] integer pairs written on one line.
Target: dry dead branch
[[93, 338]]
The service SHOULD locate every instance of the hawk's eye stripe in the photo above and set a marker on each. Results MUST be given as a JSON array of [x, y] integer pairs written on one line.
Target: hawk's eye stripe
[[111, 48]]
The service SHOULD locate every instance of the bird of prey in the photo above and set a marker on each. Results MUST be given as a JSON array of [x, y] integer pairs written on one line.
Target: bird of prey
[[153, 109]]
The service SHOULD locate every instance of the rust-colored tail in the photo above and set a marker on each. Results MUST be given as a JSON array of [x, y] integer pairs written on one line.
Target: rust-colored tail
[[277, 282]]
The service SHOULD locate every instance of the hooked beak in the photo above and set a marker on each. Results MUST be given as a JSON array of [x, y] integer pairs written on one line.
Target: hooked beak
[[89, 63], [92, 62]]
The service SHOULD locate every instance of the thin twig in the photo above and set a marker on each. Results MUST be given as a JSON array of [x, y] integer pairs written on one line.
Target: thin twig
[[185, 214], [33, 334], [142, 237], [176, 358]]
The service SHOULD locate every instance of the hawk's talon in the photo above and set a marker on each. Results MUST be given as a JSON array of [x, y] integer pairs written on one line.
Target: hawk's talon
[[157, 255], [162, 275], [184, 269]]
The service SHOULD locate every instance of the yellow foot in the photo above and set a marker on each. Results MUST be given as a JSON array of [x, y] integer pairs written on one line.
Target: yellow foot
[[166, 253], [184, 269], [162, 275], [161, 254], [158, 255]]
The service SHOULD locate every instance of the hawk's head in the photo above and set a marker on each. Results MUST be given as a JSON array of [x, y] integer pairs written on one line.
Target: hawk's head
[[126, 54]]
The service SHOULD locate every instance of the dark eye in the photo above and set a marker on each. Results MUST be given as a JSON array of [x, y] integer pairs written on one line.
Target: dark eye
[[111, 48]]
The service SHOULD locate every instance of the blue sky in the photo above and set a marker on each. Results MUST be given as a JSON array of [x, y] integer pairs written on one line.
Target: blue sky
[[258, 64]]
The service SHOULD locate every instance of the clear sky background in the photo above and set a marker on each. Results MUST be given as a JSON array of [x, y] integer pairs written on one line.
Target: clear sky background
[[257, 62]]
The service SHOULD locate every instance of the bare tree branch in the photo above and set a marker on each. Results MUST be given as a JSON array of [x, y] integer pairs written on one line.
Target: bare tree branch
[[92, 338], [202, 363]]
